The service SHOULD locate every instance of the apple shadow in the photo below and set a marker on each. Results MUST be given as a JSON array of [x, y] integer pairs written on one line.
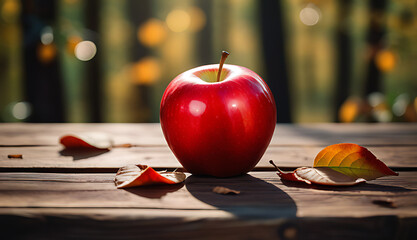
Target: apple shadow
[[82, 153], [155, 191], [257, 199]]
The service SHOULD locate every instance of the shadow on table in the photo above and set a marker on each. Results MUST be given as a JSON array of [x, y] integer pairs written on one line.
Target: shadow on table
[[82, 153], [258, 199]]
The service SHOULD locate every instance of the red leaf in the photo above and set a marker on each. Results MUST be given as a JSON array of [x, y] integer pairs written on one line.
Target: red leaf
[[94, 140], [141, 175]]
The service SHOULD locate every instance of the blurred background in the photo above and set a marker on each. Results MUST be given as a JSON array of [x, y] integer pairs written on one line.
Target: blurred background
[[111, 60]]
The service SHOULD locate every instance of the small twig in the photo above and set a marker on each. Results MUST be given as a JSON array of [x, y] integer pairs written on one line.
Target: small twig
[[124, 145], [279, 170], [19, 156]]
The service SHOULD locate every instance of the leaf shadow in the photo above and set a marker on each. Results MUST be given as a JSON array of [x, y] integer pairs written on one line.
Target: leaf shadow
[[365, 186], [155, 191], [82, 153], [258, 199]]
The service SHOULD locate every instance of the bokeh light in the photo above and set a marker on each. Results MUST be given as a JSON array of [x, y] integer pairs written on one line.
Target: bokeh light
[[350, 110], [385, 60], [400, 104], [380, 111], [375, 99], [47, 53], [146, 71], [198, 19], [178, 20], [152, 32], [10, 10], [310, 15], [47, 35], [21, 110], [85, 50], [72, 42]]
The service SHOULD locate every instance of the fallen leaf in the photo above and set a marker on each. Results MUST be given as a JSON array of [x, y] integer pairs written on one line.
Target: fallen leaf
[[141, 175], [326, 176], [95, 140], [225, 190], [289, 176], [343, 164], [352, 160], [322, 176]]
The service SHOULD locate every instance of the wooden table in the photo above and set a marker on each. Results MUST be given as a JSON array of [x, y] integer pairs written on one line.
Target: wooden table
[[58, 194]]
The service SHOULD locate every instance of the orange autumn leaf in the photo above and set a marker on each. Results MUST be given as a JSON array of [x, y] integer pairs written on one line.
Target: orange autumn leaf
[[342, 164], [352, 160], [95, 140], [141, 175]]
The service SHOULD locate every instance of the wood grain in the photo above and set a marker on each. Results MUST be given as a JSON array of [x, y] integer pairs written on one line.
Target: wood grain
[[49, 205], [322, 134], [55, 158], [262, 195], [98, 223]]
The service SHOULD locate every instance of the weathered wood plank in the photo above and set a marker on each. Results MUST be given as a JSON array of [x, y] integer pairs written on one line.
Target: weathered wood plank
[[151, 134], [60, 206], [263, 195], [55, 157], [73, 223]]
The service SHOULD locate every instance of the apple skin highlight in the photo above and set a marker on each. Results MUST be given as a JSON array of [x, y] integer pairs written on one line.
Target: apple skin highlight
[[219, 129]]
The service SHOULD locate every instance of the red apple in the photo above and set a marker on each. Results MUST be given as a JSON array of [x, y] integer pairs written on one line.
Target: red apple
[[218, 124]]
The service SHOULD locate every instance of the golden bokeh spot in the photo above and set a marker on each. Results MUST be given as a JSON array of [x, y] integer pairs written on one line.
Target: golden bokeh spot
[[350, 110], [198, 19], [46, 53], [146, 71], [178, 20], [10, 10], [72, 42], [152, 32], [385, 60]]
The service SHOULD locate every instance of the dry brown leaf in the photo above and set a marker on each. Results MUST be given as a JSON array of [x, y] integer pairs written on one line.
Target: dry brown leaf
[[225, 190]]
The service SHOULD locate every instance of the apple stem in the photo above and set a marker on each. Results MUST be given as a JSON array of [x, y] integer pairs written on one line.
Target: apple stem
[[222, 60]]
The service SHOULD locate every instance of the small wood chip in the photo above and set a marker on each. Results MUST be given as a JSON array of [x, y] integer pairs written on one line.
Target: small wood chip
[[125, 145], [225, 191], [20, 156]]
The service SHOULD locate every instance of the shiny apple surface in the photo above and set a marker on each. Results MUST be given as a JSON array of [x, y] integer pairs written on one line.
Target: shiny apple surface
[[221, 128]]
